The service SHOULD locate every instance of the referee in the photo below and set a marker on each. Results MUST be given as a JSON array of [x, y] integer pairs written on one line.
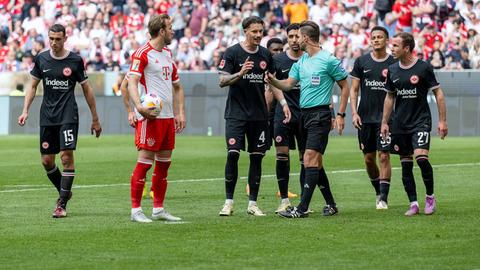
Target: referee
[[316, 71]]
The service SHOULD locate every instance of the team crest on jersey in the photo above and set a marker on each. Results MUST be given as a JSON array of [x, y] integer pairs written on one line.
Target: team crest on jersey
[[67, 71], [232, 141], [45, 145], [222, 64], [396, 147], [362, 146], [263, 64], [150, 142], [384, 72], [278, 139], [135, 64], [414, 79]]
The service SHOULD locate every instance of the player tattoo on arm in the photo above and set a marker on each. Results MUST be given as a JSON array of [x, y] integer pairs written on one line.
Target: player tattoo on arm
[[229, 79]]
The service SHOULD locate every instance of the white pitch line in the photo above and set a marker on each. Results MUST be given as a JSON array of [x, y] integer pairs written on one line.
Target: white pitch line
[[48, 187]]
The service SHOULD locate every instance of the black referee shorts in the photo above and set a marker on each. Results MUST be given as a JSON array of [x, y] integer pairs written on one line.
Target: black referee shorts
[[316, 124]]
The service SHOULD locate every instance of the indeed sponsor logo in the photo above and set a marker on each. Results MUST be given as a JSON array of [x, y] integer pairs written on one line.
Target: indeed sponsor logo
[[56, 82], [407, 92], [374, 83], [253, 76]]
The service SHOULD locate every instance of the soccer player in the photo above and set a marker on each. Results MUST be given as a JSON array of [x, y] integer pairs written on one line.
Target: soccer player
[[407, 85], [131, 117], [60, 70], [369, 74], [243, 69], [285, 134], [316, 71], [153, 71]]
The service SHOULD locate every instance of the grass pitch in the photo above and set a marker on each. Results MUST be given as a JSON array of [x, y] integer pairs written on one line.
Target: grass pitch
[[98, 233]]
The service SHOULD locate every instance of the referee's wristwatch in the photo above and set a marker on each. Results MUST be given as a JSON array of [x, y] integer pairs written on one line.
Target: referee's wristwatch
[[341, 114]]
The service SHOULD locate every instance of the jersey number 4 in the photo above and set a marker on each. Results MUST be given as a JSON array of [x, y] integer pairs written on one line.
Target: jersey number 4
[[166, 73]]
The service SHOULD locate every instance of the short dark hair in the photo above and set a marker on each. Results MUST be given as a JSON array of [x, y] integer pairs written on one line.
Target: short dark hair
[[293, 26], [380, 28], [251, 20], [407, 40], [156, 23], [57, 28], [274, 41], [311, 30]]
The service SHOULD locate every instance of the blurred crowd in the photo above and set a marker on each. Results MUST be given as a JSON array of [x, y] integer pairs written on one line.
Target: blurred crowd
[[106, 32]]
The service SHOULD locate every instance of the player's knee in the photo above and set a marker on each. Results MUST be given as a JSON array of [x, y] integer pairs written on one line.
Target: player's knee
[[256, 157], [424, 163], [48, 162], [67, 159], [383, 157], [370, 159], [282, 157], [233, 156], [407, 166]]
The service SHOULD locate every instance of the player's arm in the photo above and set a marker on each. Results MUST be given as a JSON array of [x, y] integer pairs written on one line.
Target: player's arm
[[27, 102], [229, 79], [132, 118], [344, 92], [387, 111], [354, 89], [90, 98], [133, 80], [442, 113], [281, 99], [284, 85], [179, 107]]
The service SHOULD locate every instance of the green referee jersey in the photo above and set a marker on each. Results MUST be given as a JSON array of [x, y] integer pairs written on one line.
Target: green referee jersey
[[317, 75]]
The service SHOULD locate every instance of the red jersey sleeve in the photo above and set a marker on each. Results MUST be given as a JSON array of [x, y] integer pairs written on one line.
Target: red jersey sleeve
[[139, 61]]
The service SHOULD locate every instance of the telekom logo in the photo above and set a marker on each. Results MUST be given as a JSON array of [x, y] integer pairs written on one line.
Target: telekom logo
[[166, 73]]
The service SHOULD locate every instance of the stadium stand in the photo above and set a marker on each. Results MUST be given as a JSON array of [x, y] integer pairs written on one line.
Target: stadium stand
[[105, 33]]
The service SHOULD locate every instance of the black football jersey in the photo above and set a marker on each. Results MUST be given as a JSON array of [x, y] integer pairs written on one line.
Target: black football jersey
[[246, 98], [411, 85], [372, 74], [59, 76], [283, 62]]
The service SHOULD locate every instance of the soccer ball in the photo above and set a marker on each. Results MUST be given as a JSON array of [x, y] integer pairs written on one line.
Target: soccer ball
[[151, 100]]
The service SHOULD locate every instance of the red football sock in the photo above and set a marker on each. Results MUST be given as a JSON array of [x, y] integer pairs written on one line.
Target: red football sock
[[137, 182], [159, 181]]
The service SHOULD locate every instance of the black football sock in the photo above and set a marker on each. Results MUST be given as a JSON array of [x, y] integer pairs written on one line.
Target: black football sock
[[254, 175], [384, 189], [55, 177], [408, 179], [311, 181], [376, 185], [231, 173], [66, 186], [325, 187], [283, 173], [427, 172], [302, 177]]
